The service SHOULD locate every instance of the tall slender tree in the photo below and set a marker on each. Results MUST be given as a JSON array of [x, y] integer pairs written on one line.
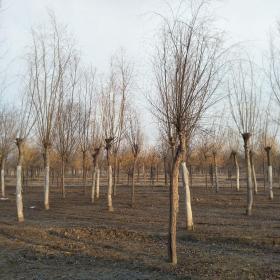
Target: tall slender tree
[[8, 127], [134, 137], [48, 58], [244, 95], [187, 64]]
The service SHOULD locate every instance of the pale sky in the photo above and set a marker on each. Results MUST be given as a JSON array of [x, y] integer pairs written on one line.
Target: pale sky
[[102, 27]]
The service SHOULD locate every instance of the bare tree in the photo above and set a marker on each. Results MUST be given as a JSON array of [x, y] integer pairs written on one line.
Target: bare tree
[[217, 132], [7, 135], [113, 112], [122, 73], [48, 59], [86, 94], [135, 140], [96, 146], [274, 73], [268, 140], [244, 100], [25, 123], [186, 65], [233, 143], [66, 126]]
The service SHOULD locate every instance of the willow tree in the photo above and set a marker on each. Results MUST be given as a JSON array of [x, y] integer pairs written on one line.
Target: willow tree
[[8, 125], [48, 59], [233, 144], [66, 126], [204, 147], [24, 125], [95, 148], [186, 65], [267, 139], [217, 133], [135, 140], [122, 76], [114, 99], [85, 113], [244, 100]]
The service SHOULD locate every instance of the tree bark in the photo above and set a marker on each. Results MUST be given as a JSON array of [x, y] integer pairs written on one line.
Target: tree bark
[[97, 181], [253, 172], [188, 207], [115, 175], [110, 189], [19, 202], [47, 175], [63, 177], [93, 184], [133, 183], [236, 170], [95, 175], [110, 175], [84, 172], [165, 171], [172, 250], [144, 175], [246, 137], [216, 173], [269, 172]]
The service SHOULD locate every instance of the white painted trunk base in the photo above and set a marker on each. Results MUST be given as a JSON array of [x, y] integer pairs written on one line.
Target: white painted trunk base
[[97, 182], [47, 188], [19, 195], [188, 207], [110, 189]]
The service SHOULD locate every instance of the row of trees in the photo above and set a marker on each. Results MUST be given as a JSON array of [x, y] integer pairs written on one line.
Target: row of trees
[[194, 70], [67, 107]]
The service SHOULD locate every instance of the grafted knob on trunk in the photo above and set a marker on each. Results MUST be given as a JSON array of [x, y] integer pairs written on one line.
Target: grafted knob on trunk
[[108, 142], [246, 136]]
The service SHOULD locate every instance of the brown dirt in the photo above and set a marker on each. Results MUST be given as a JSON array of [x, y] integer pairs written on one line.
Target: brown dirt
[[78, 240]]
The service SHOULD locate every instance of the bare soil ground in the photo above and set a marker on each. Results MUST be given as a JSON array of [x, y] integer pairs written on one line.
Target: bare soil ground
[[78, 240]]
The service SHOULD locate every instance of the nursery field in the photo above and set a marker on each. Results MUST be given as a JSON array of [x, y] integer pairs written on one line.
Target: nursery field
[[76, 239]]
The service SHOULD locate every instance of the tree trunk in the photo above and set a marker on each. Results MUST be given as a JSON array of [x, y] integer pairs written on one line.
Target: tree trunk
[[165, 171], [264, 179], [93, 184], [211, 173], [19, 143], [110, 189], [269, 172], [3, 177], [188, 207], [115, 175], [246, 137], [118, 173], [144, 175], [215, 173], [253, 172], [47, 176], [172, 251], [237, 171], [110, 175], [63, 177], [133, 183], [97, 182], [84, 172]]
